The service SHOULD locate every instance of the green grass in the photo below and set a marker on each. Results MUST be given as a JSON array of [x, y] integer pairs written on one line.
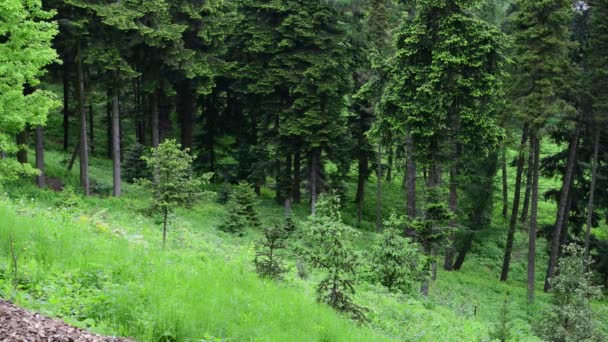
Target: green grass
[[99, 265]]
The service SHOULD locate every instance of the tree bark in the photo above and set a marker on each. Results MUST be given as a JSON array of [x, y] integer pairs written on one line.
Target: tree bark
[[363, 171], [66, 103], [514, 210], [462, 253], [596, 147], [116, 145], [561, 210], [186, 107], [91, 124], [74, 155], [389, 168], [526, 208], [379, 188], [505, 185], [84, 147], [453, 203], [313, 181], [109, 124], [410, 178], [22, 142], [535, 149], [154, 103], [41, 178]]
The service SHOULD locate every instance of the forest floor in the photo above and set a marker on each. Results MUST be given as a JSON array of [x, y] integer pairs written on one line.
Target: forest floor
[[97, 263], [19, 325]]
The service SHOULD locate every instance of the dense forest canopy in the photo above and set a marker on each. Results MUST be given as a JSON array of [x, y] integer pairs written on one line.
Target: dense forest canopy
[[482, 111]]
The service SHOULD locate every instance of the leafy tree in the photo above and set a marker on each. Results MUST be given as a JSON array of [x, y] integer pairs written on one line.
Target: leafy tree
[[268, 260], [242, 213], [571, 317], [25, 50], [174, 184], [396, 260], [331, 251]]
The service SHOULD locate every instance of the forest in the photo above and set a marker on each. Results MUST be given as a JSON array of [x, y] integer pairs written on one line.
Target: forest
[[306, 170]]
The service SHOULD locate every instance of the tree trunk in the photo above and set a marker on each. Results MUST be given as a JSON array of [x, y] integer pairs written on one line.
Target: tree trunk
[[41, 178], [514, 210], [109, 124], [363, 171], [74, 155], [410, 178], [313, 181], [116, 144], [186, 107], [297, 179], [596, 147], [91, 124], [561, 210], [505, 185], [154, 103], [84, 147], [526, 208], [66, 103], [535, 149], [22, 151], [462, 253], [379, 188], [453, 202], [389, 169]]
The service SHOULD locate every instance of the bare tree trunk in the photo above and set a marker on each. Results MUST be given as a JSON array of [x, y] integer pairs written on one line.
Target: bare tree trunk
[[186, 107], [505, 185], [313, 181], [91, 124], [116, 144], [84, 147], [453, 202], [389, 168], [22, 142], [526, 208], [596, 147], [561, 210], [297, 179], [361, 181], [411, 177], [41, 178], [154, 103], [379, 188], [109, 124], [514, 210], [535, 149], [74, 155], [66, 103]]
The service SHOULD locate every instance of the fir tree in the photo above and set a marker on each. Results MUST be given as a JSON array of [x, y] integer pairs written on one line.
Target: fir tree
[[268, 260], [502, 328], [134, 167], [242, 213]]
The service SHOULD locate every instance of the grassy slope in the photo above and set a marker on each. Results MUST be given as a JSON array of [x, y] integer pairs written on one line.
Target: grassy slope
[[99, 265]]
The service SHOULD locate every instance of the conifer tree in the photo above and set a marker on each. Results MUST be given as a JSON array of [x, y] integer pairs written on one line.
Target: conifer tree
[[25, 50], [242, 213], [502, 327], [268, 258]]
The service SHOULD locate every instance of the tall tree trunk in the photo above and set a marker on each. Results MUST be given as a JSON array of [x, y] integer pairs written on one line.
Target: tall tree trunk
[[314, 172], [596, 148], [74, 155], [505, 185], [389, 168], [526, 208], [379, 188], [116, 144], [91, 124], [66, 103], [41, 178], [22, 151], [154, 104], [109, 124], [514, 210], [363, 171], [186, 107], [297, 178], [288, 183], [464, 250], [410, 178], [84, 145], [210, 129], [535, 149], [453, 203], [561, 210]]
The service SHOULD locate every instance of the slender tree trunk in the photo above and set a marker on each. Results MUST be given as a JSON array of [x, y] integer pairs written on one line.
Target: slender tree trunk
[[535, 149], [74, 155], [464, 250], [410, 178], [505, 185], [297, 179], [91, 124], [526, 208], [313, 181], [186, 107], [596, 147], [389, 169], [453, 202], [361, 181], [84, 147], [66, 103], [514, 210], [288, 183], [41, 178], [116, 144], [154, 103], [109, 124], [379, 188], [22, 142], [561, 210]]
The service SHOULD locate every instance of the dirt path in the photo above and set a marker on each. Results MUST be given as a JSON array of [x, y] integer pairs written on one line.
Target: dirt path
[[19, 325]]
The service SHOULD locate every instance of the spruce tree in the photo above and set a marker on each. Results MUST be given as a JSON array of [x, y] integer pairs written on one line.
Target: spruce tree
[[268, 257], [242, 212]]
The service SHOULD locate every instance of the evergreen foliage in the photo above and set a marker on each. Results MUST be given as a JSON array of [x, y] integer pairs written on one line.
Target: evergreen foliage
[[571, 318], [268, 260], [396, 260], [134, 167], [174, 183], [242, 212], [332, 252], [502, 328]]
